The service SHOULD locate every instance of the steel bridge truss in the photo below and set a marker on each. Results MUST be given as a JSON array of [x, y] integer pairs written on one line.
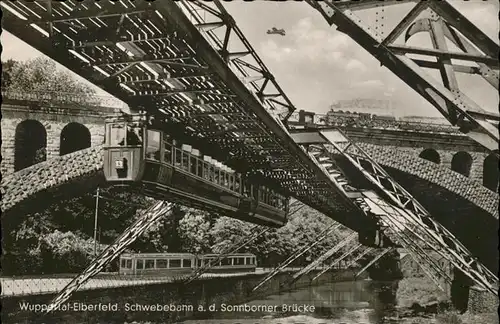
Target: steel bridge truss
[[402, 218], [149, 217], [320, 237], [375, 259], [163, 57], [210, 17], [325, 256], [443, 23], [345, 255]]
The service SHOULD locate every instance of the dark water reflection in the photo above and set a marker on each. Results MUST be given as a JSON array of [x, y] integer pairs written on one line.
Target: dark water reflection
[[354, 302]]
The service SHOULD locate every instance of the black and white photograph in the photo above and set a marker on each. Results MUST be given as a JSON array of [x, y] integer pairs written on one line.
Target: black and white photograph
[[250, 162]]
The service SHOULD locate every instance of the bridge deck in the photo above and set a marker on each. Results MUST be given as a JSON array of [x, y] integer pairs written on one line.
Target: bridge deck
[[39, 286]]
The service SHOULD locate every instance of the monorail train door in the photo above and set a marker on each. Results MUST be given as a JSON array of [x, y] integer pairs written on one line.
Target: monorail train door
[[124, 148]]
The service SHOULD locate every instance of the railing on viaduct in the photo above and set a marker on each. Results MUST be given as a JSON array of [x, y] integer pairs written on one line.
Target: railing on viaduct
[[64, 98]]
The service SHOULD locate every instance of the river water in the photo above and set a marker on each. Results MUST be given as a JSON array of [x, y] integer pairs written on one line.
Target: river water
[[355, 302]]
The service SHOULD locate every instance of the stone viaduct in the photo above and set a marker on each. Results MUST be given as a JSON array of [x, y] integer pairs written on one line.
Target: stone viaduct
[[35, 131]]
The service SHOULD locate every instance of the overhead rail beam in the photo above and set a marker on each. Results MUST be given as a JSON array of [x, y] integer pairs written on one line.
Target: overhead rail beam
[[157, 60], [245, 67]]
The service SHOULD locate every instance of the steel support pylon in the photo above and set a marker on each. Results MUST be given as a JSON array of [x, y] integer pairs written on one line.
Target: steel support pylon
[[149, 217], [321, 236], [399, 213], [325, 256], [445, 23]]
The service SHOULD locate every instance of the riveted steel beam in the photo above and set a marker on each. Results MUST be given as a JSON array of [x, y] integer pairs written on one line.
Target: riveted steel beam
[[444, 96]]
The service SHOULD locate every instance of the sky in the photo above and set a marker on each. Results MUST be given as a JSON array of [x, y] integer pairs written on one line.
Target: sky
[[316, 65]]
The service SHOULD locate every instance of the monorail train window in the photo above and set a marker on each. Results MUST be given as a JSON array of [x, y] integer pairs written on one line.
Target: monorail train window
[[186, 263], [237, 183], [211, 171], [274, 200], [239, 261], [115, 133], [199, 167], [175, 263], [134, 136], [161, 263], [153, 145], [193, 165], [149, 264], [185, 160], [215, 177], [255, 192], [265, 195], [139, 264], [206, 170], [228, 180], [167, 144], [178, 157]]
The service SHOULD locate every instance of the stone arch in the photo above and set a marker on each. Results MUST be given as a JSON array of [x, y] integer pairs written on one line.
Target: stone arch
[[74, 137], [462, 163], [430, 155], [491, 172], [30, 144]]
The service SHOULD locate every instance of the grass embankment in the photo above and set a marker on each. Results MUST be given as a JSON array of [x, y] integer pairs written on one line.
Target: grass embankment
[[452, 318], [419, 290], [422, 291]]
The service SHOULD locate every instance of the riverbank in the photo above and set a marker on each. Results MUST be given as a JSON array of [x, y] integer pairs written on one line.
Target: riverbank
[[420, 301], [419, 291], [449, 317]]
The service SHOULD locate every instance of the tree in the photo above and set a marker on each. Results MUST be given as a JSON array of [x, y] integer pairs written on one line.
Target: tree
[[63, 252], [7, 67], [40, 75], [194, 232]]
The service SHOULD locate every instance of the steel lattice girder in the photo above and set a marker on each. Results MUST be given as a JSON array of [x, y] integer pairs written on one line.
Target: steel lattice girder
[[149, 217], [398, 204], [325, 256], [320, 237], [70, 33], [339, 259], [480, 125]]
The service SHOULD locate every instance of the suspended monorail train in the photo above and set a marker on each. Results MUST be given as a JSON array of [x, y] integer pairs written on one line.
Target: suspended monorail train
[[137, 154]]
